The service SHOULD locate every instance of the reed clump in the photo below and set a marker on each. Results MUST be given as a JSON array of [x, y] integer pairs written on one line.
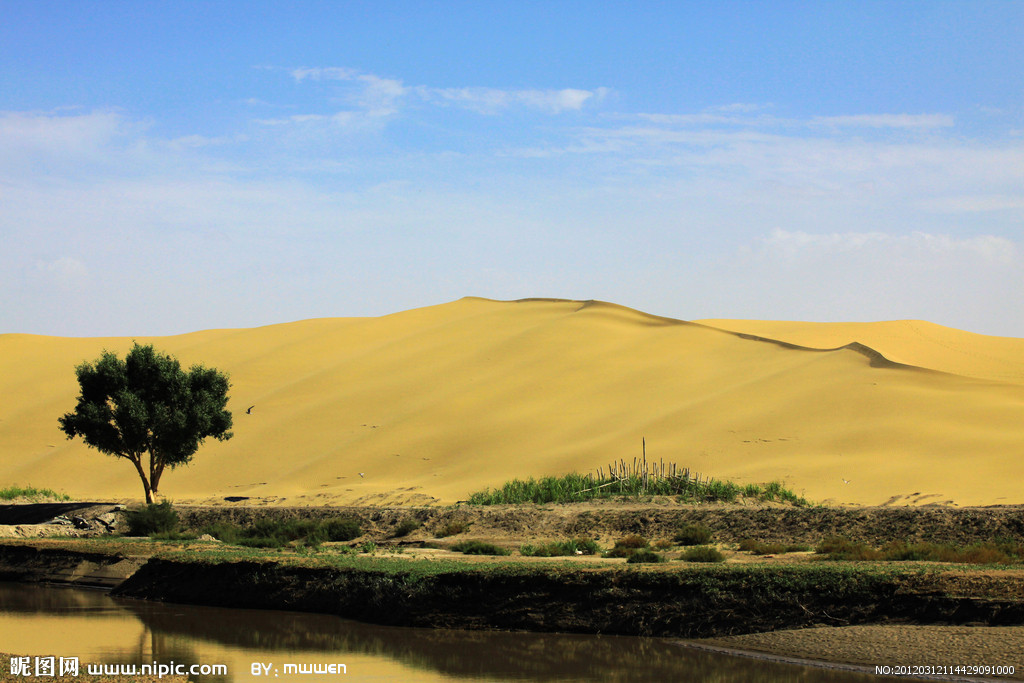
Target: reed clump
[[624, 479]]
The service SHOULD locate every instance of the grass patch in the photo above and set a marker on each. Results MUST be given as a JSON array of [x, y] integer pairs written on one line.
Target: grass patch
[[703, 553], [406, 527], [693, 534], [155, 518], [987, 552], [270, 533], [762, 548], [452, 529], [31, 493], [576, 546], [626, 546], [478, 548], [576, 488], [644, 555]]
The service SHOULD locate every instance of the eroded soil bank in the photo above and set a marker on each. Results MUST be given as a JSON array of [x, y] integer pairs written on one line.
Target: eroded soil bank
[[608, 519]]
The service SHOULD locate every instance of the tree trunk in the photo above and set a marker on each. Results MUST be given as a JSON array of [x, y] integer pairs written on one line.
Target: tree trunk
[[137, 461], [156, 468]]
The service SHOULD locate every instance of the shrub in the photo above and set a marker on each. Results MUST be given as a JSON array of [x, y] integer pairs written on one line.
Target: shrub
[[452, 529], [478, 548], [341, 529], [841, 548], [224, 531], [703, 553], [693, 534], [624, 547], [644, 555], [271, 533], [152, 519], [762, 548], [406, 527], [576, 546]]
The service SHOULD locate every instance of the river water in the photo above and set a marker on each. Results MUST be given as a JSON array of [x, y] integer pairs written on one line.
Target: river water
[[98, 629]]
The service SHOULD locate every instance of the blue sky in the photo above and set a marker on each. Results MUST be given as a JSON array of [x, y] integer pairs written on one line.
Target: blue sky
[[169, 167]]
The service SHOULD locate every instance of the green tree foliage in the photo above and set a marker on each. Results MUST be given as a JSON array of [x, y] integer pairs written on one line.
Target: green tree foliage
[[147, 405]]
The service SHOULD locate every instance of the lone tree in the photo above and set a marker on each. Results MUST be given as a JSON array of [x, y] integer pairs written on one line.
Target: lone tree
[[146, 404]]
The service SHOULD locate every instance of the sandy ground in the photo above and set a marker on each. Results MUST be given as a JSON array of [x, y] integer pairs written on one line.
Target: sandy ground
[[428, 405], [895, 645]]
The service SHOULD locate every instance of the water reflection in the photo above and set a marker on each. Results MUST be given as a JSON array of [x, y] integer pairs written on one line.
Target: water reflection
[[73, 622]]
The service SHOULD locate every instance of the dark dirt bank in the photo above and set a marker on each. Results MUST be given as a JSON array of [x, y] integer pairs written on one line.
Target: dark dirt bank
[[730, 523], [605, 520]]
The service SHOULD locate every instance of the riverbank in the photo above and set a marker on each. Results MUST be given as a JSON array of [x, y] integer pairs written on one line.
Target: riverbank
[[668, 600]]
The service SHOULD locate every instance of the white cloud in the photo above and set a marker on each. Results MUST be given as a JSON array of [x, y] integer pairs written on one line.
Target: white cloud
[[327, 73], [917, 245], [887, 121], [63, 133], [379, 96], [494, 100]]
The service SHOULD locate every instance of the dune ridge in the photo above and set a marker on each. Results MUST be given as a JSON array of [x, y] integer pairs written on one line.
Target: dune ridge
[[433, 403]]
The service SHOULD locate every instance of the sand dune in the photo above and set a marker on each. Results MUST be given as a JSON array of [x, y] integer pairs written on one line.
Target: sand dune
[[433, 403], [914, 342]]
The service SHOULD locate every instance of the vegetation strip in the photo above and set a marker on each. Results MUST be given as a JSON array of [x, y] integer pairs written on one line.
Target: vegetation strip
[[639, 479], [687, 601]]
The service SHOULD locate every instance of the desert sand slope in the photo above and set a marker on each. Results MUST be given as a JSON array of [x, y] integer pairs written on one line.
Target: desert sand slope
[[433, 403], [914, 342]]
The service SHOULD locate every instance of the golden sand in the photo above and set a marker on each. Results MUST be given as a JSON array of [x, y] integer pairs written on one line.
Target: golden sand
[[434, 403]]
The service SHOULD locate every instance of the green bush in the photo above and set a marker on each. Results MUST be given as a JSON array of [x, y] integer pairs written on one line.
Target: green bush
[[576, 546], [841, 548], [703, 553], [626, 546], [154, 518], [31, 493], [693, 534], [762, 548], [406, 527], [272, 533], [575, 487], [644, 555], [342, 529], [452, 529], [478, 548]]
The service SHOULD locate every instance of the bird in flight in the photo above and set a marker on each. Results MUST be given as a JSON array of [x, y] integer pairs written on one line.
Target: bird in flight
[[248, 411], [361, 474]]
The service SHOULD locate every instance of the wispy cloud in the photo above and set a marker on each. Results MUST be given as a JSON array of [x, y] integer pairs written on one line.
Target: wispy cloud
[[495, 100], [380, 96], [798, 244], [887, 121]]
